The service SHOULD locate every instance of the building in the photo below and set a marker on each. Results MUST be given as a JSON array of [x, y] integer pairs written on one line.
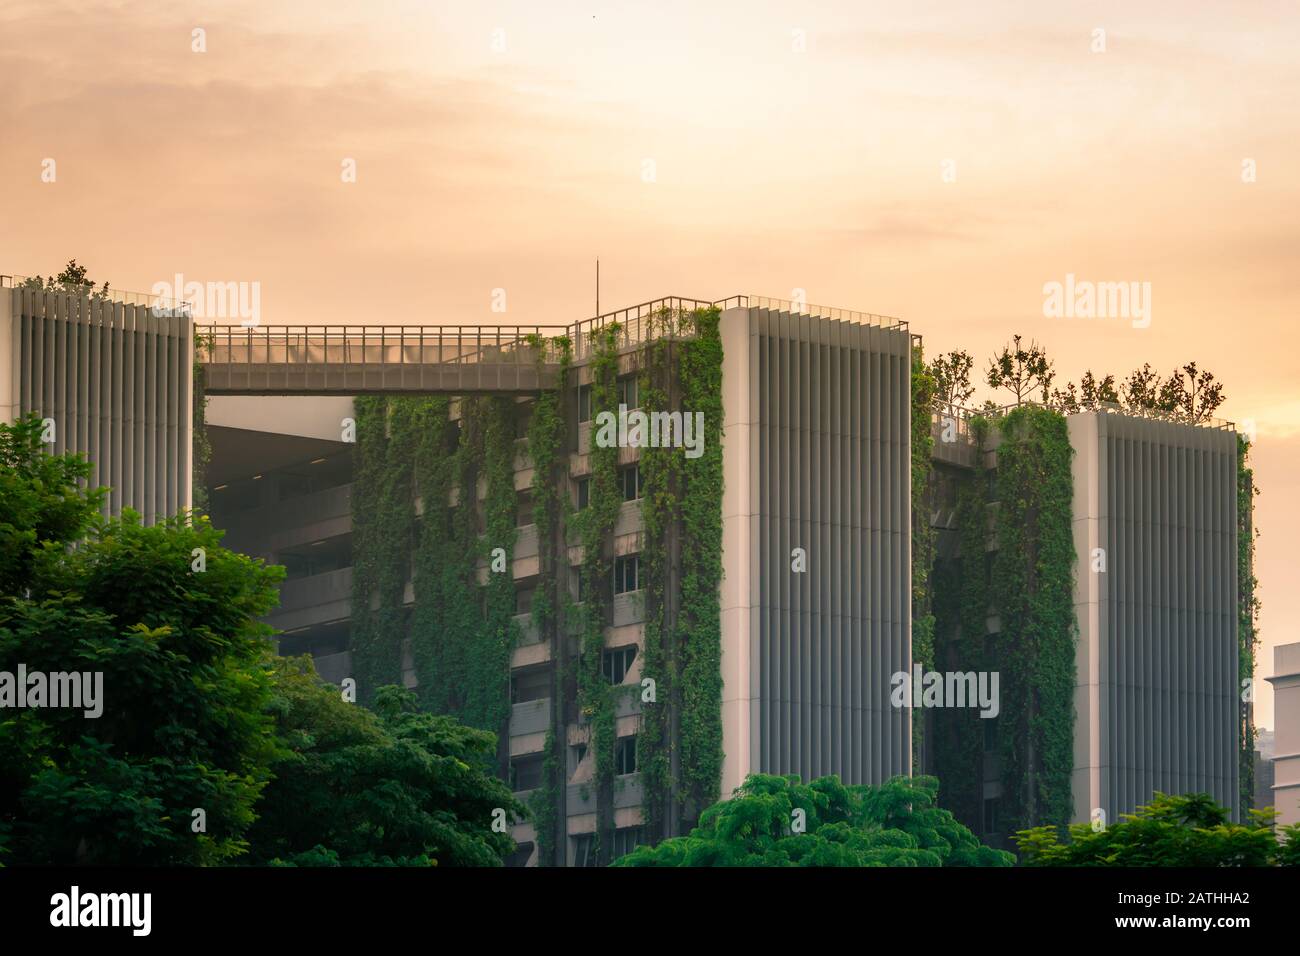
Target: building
[[112, 377], [1286, 732], [801, 492]]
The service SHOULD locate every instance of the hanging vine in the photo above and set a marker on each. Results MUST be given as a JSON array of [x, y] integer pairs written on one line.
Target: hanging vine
[[700, 618], [547, 433], [1033, 585], [923, 537], [382, 540], [661, 476], [1247, 614], [962, 609], [595, 696], [443, 572]]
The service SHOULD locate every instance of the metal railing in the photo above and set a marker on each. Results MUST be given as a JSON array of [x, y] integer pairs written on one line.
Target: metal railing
[[328, 345], [162, 306], [963, 415]]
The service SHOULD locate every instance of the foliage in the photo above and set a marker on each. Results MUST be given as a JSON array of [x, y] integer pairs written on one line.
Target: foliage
[[183, 685], [1189, 394], [1184, 831], [73, 280], [1089, 395], [926, 384], [1247, 613], [896, 824], [396, 787], [596, 524], [700, 614], [951, 376], [1021, 370], [1033, 585], [547, 432], [382, 535]]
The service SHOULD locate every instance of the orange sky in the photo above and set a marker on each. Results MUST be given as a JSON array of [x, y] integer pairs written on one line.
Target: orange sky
[[775, 169]]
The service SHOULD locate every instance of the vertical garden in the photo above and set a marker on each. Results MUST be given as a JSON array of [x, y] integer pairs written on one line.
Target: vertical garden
[[417, 468]]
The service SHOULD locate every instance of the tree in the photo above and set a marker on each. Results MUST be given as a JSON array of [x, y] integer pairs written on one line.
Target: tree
[[72, 279], [182, 685], [1192, 395], [778, 821], [951, 374], [1089, 395], [1022, 371], [1143, 390], [396, 787], [1188, 831]]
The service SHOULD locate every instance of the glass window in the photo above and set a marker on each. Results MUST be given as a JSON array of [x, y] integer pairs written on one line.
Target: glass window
[[625, 755], [626, 573], [584, 403], [628, 393], [631, 478], [618, 662], [584, 492]]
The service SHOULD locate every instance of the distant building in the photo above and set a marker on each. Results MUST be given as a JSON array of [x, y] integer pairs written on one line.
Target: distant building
[[1286, 732]]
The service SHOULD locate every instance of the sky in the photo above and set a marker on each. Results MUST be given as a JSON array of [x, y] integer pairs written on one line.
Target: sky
[[938, 162]]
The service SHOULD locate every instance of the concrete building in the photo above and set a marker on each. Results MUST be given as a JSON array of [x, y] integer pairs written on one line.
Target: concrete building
[[1157, 701], [112, 376], [1286, 732]]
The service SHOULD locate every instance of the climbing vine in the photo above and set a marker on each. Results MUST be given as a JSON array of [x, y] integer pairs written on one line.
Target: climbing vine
[[201, 446], [923, 536], [547, 432], [1247, 613], [961, 611], [382, 540], [596, 524], [700, 617], [661, 476], [443, 570], [1033, 583]]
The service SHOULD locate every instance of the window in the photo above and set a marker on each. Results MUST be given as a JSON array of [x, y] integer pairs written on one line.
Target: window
[[990, 733], [524, 509], [523, 418], [990, 815], [584, 403], [626, 571], [578, 753], [584, 850], [626, 840], [584, 492], [525, 774], [627, 392], [524, 600], [617, 662], [522, 852], [631, 479], [582, 587], [530, 685], [625, 755]]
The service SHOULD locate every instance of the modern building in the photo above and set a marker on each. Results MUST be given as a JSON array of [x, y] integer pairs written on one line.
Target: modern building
[[812, 523], [1286, 732], [111, 375]]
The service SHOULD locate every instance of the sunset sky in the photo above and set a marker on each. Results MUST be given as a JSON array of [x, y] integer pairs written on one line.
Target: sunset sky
[[794, 146]]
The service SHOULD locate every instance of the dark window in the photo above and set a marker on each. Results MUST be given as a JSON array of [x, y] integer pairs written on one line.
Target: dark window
[[618, 662], [626, 840], [626, 571], [990, 733], [625, 755], [520, 857], [628, 392], [523, 418], [584, 492], [524, 509], [579, 754], [582, 587], [530, 685], [584, 403], [525, 774], [631, 478], [584, 850], [990, 815], [524, 600]]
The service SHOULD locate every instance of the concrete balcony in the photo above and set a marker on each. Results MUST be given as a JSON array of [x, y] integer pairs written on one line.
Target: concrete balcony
[[530, 717], [334, 667], [292, 522], [316, 599]]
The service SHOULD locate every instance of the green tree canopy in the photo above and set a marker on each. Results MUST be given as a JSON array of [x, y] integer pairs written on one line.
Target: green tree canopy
[[1191, 830], [895, 824], [396, 787]]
